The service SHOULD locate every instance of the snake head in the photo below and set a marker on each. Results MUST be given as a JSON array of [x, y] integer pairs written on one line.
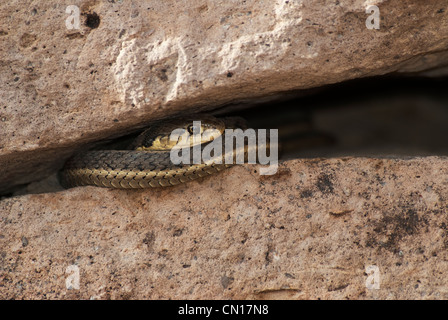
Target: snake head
[[186, 132]]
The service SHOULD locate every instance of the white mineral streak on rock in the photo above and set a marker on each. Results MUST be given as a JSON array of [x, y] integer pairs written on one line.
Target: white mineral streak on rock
[[124, 69], [182, 72], [136, 56]]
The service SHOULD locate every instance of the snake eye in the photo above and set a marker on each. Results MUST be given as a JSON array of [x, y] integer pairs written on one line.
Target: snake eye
[[190, 129]]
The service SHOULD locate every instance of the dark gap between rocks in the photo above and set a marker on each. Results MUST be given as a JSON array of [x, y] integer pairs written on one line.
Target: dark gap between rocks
[[383, 117]]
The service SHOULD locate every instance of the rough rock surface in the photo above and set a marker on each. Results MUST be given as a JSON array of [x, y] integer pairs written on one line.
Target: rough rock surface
[[312, 232], [315, 230], [134, 61]]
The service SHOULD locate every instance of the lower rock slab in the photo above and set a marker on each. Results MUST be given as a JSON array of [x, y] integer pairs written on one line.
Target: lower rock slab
[[347, 228]]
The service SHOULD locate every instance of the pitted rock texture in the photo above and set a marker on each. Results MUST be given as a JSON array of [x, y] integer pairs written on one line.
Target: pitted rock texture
[[135, 61], [312, 231]]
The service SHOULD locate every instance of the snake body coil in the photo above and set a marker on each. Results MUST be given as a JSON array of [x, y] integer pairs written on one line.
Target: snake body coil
[[147, 165]]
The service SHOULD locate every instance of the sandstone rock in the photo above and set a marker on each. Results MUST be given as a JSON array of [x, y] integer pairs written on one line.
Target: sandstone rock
[[315, 231], [131, 62]]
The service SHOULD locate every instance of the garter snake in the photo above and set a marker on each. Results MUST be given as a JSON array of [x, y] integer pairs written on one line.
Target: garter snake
[[147, 163]]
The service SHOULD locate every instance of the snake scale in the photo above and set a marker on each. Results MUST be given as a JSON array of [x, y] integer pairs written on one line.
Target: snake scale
[[147, 163]]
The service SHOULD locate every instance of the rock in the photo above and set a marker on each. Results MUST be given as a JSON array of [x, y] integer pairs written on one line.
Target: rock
[[355, 228], [129, 63], [350, 228]]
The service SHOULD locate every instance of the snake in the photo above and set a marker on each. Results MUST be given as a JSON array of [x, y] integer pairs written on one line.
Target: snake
[[146, 162]]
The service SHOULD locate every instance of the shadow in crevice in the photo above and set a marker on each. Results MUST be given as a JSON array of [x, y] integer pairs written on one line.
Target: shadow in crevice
[[377, 117]]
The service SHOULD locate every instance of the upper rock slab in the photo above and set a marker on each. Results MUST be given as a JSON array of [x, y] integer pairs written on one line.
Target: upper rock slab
[[132, 61]]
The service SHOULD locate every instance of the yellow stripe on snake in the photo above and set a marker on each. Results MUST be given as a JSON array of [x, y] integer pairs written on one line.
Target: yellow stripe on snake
[[147, 163]]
